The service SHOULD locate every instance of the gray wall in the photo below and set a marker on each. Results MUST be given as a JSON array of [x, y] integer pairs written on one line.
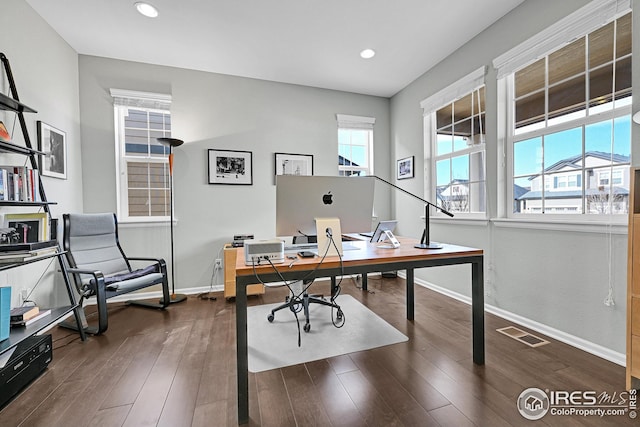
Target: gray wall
[[45, 69], [224, 112], [557, 278]]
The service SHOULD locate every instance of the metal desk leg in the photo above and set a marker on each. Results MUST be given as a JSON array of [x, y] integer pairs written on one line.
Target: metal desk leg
[[477, 308], [410, 296], [242, 353], [365, 285]]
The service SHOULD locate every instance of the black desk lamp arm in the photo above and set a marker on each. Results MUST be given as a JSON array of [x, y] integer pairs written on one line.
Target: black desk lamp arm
[[425, 234]]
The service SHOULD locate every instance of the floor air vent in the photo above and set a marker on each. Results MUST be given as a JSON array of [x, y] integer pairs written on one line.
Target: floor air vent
[[522, 336]]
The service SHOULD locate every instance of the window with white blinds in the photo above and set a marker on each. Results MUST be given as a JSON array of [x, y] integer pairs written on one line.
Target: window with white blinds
[[568, 133], [142, 163]]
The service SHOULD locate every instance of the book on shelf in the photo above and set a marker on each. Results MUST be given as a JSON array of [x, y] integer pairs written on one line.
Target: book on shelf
[[20, 184], [40, 315], [17, 248], [4, 191], [5, 310], [22, 256], [21, 314], [4, 133]]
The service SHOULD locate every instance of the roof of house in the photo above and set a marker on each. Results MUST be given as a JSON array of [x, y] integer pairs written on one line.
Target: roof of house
[[571, 161], [569, 194]]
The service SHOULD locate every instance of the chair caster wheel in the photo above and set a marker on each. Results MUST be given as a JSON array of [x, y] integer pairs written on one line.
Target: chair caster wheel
[[270, 318], [307, 327]]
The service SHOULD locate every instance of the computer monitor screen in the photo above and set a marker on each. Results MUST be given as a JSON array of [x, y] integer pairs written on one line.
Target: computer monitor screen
[[301, 199]]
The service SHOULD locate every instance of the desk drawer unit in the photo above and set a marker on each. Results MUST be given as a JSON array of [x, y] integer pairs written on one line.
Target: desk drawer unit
[[230, 254]]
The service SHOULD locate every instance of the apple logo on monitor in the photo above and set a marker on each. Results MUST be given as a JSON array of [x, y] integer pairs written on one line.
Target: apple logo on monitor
[[327, 199]]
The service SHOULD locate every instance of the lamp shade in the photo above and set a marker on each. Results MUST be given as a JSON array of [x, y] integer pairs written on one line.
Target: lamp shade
[[172, 142]]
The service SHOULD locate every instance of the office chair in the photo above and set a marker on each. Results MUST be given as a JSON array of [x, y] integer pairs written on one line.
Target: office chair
[[100, 268], [299, 300]]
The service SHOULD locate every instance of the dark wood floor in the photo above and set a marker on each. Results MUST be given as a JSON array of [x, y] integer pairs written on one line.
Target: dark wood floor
[[177, 368]]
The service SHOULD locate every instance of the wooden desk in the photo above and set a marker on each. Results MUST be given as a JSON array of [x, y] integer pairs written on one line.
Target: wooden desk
[[368, 259]]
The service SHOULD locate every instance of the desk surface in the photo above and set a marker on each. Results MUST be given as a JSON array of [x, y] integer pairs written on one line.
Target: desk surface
[[369, 258], [366, 253]]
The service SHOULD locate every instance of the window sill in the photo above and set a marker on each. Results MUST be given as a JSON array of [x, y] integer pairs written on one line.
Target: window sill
[[562, 225], [536, 224], [457, 220], [127, 223]]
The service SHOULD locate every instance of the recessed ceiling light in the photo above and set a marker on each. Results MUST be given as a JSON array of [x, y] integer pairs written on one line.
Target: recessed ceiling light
[[368, 53], [146, 9]]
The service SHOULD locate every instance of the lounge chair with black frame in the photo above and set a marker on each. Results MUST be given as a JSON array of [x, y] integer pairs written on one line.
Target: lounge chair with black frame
[[100, 267]]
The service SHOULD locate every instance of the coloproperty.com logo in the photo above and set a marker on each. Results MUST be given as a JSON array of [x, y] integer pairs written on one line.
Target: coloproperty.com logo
[[535, 403]]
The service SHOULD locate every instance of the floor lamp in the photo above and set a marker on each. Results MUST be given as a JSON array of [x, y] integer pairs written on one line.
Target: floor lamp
[[172, 142]]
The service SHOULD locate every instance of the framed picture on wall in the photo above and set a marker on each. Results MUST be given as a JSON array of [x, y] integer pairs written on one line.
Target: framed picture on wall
[[230, 167], [293, 164], [405, 168], [53, 143]]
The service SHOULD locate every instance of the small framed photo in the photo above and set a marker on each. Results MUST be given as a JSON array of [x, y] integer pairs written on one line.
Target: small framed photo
[[32, 227], [230, 167], [405, 168], [293, 164], [53, 143]]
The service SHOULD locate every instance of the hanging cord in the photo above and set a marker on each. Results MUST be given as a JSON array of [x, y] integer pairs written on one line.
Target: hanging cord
[[44, 271], [214, 274], [307, 281], [338, 288], [608, 300], [296, 302]]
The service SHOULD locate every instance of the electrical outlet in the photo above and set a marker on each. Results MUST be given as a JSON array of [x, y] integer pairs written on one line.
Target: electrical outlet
[[24, 294], [218, 263]]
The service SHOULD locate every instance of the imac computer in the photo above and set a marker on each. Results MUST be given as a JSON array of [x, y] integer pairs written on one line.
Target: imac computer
[[301, 199]]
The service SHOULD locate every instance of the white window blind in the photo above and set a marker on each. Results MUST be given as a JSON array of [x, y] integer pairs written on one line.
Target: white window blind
[[581, 22]]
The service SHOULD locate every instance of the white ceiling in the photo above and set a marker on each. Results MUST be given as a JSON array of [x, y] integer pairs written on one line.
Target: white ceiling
[[307, 42]]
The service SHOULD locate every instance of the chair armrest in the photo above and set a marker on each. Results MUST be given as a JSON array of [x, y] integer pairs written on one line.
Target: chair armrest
[[97, 276], [160, 261], [95, 273]]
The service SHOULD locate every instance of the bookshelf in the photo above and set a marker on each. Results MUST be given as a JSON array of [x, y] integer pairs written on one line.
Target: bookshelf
[[13, 105]]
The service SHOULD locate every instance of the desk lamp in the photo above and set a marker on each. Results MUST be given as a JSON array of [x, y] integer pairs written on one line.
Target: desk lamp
[[172, 142], [425, 243]]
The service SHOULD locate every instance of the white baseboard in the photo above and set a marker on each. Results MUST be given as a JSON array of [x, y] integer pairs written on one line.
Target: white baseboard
[[580, 343]]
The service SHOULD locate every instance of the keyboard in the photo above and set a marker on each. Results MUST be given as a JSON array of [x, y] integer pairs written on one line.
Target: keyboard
[[301, 247]]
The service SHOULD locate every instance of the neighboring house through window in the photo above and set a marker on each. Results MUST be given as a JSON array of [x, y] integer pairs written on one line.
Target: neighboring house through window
[[568, 132], [355, 145], [142, 163]]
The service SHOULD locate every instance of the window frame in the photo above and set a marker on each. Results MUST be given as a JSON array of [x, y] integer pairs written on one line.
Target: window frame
[[577, 25], [463, 87], [124, 100], [611, 170], [356, 123]]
